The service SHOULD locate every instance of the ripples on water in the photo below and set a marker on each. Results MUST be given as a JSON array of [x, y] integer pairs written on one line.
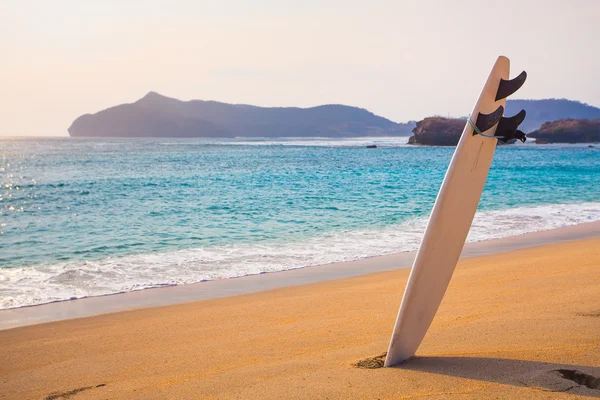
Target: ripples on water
[[83, 217]]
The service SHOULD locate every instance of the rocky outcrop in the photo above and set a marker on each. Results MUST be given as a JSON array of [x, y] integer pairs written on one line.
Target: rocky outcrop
[[568, 131], [437, 131]]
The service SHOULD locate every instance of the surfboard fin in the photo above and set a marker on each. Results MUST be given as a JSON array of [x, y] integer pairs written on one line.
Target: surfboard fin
[[519, 135], [508, 87], [487, 121], [507, 128]]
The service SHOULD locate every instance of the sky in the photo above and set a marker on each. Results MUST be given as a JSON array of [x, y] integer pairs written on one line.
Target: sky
[[403, 60]]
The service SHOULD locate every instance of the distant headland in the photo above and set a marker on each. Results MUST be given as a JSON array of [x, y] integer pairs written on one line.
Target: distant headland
[[155, 115]]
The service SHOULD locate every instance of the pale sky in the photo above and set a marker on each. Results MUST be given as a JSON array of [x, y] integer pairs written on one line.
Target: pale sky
[[403, 60]]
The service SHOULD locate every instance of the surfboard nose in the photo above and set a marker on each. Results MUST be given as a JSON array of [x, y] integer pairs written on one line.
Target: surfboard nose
[[502, 63]]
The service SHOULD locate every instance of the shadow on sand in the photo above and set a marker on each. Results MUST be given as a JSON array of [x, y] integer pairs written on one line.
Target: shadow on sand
[[581, 380]]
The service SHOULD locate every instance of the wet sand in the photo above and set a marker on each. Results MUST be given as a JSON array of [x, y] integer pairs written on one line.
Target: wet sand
[[518, 324]]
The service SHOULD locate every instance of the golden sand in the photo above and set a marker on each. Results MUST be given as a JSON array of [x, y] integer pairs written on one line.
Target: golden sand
[[515, 325]]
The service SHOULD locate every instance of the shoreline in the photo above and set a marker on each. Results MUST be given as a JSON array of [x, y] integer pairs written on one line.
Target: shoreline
[[519, 324], [178, 294]]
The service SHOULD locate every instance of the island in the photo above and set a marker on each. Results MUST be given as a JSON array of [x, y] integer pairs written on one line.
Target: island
[[568, 131], [156, 115]]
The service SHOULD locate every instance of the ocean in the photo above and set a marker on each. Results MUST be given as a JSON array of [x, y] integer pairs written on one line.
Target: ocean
[[89, 217]]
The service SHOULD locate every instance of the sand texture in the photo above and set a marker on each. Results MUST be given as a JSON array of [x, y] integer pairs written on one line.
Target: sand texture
[[523, 324]]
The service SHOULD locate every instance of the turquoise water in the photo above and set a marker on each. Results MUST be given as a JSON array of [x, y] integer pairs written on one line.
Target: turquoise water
[[84, 217]]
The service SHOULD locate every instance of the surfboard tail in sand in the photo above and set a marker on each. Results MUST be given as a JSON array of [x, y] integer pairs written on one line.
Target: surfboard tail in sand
[[454, 209]]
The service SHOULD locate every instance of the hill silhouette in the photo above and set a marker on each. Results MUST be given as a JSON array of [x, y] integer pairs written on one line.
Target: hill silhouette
[[546, 110], [155, 115]]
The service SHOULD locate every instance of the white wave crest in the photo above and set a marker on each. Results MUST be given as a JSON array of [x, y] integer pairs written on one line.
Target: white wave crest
[[39, 284]]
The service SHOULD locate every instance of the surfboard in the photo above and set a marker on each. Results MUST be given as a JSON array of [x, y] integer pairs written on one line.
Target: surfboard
[[453, 211]]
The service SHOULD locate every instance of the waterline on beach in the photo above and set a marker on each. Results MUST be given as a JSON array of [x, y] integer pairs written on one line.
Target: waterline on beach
[[23, 286]]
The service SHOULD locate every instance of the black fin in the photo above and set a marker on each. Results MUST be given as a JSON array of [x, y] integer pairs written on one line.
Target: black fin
[[516, 135], [506, 88], [487, 121], [507, 128]]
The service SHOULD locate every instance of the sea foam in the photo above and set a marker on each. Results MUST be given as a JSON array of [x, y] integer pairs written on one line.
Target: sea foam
[[43, 283]]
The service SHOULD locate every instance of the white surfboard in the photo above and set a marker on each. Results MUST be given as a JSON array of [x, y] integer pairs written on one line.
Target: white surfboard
[[453, 213]]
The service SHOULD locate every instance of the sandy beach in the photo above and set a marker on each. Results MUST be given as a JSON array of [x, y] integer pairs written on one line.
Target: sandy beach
[[520, 324], [299, 200]]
